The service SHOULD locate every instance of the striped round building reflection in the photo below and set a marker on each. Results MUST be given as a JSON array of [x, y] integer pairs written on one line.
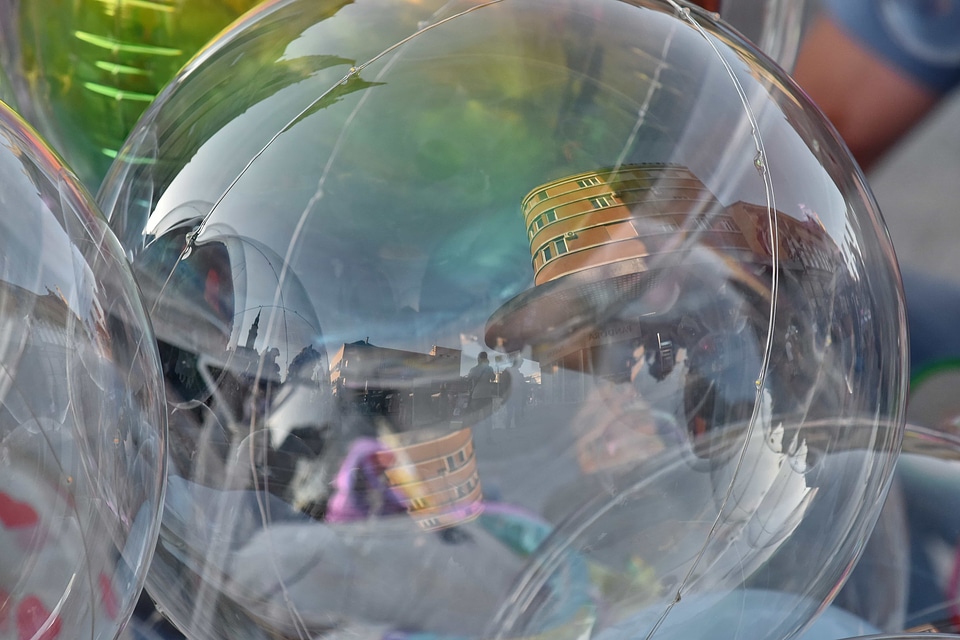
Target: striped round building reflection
[[642, 270]]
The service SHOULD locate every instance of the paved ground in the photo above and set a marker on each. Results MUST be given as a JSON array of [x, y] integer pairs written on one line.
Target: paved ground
[[918, 188]]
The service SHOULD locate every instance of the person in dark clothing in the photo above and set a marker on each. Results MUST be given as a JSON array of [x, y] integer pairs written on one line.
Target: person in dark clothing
[[483, 388]]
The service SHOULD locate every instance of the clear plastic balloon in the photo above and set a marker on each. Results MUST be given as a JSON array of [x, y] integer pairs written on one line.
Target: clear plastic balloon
[[908, 579], [82, 423], [508, 319], [927, 482], [84, 70]]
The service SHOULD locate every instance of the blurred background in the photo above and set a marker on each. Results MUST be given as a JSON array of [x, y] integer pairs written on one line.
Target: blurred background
[[917, 188], [918, 191]]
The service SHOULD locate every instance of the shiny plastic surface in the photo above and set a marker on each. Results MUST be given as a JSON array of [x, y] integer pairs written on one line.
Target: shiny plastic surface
[[84, 70], [693, 393], [82, 420]]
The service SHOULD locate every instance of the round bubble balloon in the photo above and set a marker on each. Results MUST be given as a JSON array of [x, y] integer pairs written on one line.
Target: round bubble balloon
[[84, 76], [510, 319], [82, 424]]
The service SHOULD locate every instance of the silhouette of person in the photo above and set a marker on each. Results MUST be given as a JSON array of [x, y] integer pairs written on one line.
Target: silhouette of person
[[515, 390], [483, 388]]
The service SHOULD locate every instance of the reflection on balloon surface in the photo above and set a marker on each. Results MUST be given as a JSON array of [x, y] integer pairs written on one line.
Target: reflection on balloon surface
[[507, 319], [82, 424]]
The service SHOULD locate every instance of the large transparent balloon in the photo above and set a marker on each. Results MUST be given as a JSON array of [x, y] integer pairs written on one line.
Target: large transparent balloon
[[84, 70], [82, 420], [508, 319]]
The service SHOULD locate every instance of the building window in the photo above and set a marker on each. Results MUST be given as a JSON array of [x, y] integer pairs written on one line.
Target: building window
[[561, 245], [535, 226], [551, 215], [542, 196], [725, 224], [601, 202], [592, 181], [547, 254], [663, 227]]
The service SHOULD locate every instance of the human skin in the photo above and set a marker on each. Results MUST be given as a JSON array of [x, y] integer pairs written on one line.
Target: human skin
[[871, 103]]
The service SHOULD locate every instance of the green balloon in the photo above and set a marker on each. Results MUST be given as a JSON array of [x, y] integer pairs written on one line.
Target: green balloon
[[84, 70]]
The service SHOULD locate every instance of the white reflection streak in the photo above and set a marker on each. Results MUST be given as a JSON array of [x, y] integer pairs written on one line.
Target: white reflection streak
[[820, 352], [302, 630], [781, 44], [760, 161], [691, 232], [644, 108]]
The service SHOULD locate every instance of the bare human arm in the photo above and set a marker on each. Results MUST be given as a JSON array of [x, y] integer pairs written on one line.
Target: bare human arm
[[871, 103]]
